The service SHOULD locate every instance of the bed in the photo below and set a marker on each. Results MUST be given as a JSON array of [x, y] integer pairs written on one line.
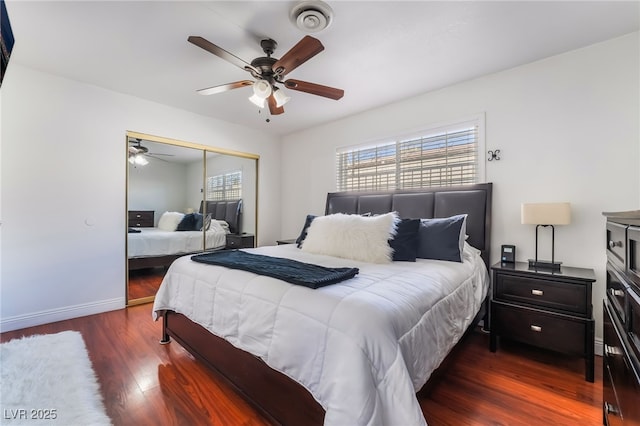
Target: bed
[[355, 352], [151, 247]]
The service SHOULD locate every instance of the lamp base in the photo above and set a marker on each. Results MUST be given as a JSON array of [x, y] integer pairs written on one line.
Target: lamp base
[[544, 264]]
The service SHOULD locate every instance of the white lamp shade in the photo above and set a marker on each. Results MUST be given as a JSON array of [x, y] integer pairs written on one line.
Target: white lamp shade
[[280, 97], [262, 89], [259, 102], [546, 213]]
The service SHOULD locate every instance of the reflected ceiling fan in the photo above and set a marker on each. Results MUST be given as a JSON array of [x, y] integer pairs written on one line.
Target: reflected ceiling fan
[[138, 152], [269, 72]]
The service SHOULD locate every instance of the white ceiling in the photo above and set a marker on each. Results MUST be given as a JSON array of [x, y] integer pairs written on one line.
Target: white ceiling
[[379, 52]]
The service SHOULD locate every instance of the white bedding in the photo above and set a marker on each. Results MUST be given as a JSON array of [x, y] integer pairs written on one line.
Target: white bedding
[[362, 347], [156, 242]]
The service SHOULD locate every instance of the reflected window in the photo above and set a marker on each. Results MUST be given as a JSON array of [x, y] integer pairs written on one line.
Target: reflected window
[[226, 186]]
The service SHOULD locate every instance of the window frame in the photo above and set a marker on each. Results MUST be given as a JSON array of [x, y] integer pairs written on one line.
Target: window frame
[[211, 189], [477, 120]]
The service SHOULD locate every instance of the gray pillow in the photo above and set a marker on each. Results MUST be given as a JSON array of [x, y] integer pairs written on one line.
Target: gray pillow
[[442, 238]]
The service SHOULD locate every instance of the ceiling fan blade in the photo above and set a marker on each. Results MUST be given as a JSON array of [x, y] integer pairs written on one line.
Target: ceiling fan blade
[[306, 49], [220, 52], [273, 108], [314, 89], [224, 87]]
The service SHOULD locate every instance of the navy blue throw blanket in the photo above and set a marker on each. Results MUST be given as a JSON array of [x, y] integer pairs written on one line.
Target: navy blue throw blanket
[[291, 271]]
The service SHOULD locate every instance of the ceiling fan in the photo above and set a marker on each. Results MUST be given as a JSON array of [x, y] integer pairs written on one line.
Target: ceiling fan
[[138, 152], [270, 72]]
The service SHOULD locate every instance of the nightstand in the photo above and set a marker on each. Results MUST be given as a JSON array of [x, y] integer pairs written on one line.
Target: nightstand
[[238, 241], [544, 308]]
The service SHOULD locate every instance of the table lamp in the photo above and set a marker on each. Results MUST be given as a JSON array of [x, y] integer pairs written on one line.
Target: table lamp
[[545, 214]]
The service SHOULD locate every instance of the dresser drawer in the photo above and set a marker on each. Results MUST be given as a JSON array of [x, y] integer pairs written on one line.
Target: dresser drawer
[[633, 254], [539, 292], [141, 218], [617, 293], [634, 328], [617, 244], [622, 384], [557, 332]]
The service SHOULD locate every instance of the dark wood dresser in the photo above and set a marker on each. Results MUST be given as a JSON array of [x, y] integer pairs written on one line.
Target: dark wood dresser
[[141, 218], [621, 318], [544, 308]]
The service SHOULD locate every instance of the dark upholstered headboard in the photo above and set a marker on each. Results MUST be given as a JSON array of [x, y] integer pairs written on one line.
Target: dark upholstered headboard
[[474, 200], [229, 211]]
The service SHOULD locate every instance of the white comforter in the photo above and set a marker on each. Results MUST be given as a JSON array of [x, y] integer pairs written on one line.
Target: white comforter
[[156, 242], [362, 347]]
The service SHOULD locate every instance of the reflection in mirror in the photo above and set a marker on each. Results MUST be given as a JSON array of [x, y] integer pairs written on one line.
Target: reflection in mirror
[[167, 214], [229, 192]]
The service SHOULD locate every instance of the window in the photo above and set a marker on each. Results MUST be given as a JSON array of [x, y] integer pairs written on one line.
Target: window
[[441, 156], [225, 187]]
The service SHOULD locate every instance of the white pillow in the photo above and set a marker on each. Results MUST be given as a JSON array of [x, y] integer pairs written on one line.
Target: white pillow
[[352, 237], [169, 221]]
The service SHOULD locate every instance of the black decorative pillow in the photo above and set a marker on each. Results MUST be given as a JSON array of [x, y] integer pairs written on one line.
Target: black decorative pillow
[[199, 220], [405, 242], [187, 223], [303, 234], [442, 238]]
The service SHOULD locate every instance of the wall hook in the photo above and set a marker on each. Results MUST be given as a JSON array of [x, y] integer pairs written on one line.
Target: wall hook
[[493, 155]]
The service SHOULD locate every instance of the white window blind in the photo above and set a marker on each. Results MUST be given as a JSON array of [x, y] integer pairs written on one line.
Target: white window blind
[[440, 157], [226, 186]]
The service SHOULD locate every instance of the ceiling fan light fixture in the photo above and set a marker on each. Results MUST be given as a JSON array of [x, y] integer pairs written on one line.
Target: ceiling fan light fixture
[[280, 97], [138, 160], [257, 101], [262, 89]]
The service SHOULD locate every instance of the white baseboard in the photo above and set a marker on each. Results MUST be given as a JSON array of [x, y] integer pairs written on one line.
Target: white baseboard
[[599, 346], [53, 315]]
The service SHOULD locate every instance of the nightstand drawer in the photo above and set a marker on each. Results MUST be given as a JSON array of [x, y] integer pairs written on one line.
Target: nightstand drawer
[[235, 241], [141, 218], [558, 296], [539, 328]]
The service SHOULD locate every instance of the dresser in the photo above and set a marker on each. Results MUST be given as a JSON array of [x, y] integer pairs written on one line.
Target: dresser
[[141, 218], [544, 308], [621, 321]]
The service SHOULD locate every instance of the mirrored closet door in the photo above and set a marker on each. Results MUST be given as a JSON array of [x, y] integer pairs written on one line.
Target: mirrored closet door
[[183, 198]]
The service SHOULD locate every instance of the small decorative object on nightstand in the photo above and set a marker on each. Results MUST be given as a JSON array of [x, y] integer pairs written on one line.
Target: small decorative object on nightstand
[[238, 241], [545, 308]]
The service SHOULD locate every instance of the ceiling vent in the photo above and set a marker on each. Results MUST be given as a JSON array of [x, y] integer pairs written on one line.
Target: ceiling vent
[[311, 16]]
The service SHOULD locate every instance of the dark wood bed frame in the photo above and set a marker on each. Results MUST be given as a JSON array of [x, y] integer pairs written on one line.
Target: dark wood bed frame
[[229, 211], [279, 398]]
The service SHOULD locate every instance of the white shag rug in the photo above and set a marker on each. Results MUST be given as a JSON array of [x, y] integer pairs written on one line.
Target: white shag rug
[[48, 380]]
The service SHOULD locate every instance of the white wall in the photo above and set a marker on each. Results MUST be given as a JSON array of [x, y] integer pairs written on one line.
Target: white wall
[[63, 190], [160, 186], [567, 128]]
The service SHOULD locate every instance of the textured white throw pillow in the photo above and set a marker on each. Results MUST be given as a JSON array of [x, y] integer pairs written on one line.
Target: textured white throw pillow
[[352, 236], [169, 220]]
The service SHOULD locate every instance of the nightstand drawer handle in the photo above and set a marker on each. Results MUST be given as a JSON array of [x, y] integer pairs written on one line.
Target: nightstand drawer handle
[[537, 292], [536, 328], [617, 292]]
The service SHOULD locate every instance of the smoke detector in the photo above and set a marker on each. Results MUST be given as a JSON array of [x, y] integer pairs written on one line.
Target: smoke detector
[[311, 16]]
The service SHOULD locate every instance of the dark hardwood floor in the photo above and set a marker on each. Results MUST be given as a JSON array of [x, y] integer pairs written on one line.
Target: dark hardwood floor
[[145, 383], [145, 282]]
